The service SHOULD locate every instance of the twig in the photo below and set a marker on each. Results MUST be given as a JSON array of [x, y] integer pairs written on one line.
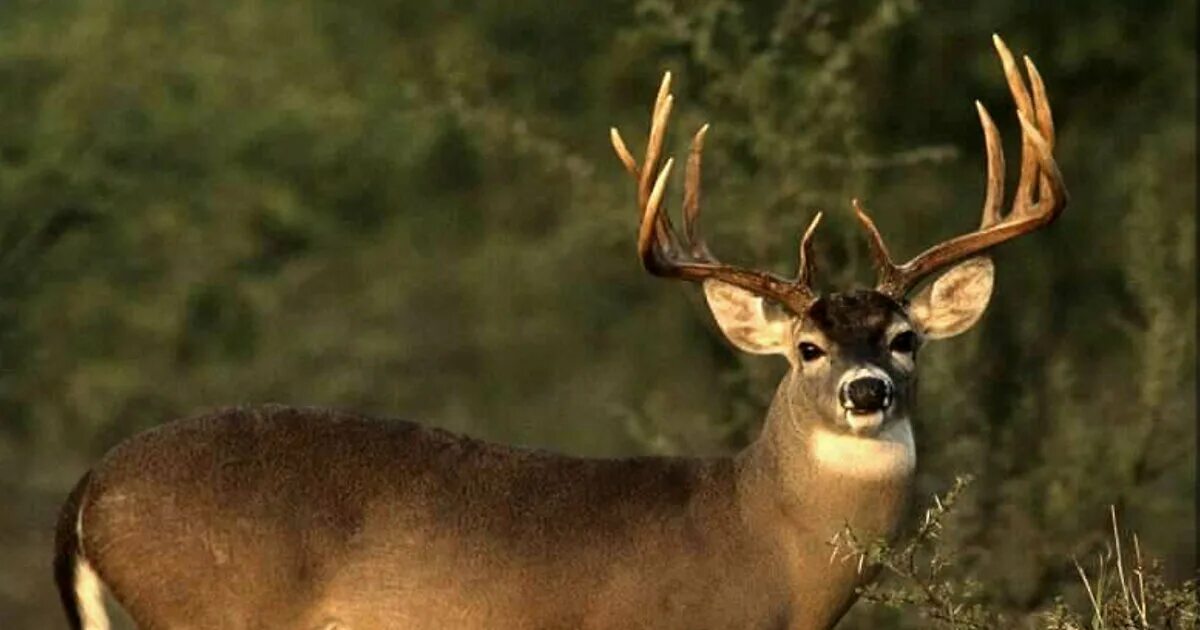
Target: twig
[[1091, 596]]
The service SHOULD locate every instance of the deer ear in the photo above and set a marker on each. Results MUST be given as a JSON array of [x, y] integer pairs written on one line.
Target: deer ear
[[955, 301], [746, 319]]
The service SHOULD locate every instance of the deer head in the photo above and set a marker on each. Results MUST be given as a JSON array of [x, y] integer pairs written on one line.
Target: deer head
[[852, 353]]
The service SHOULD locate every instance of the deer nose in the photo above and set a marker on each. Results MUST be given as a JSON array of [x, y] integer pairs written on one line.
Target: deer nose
[[866, 393]]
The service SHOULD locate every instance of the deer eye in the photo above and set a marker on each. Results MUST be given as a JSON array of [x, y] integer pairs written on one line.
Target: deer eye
[[810, 351], [905, 342]]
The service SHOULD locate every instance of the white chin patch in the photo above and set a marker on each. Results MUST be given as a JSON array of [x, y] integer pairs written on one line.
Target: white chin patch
[[888, 453], [863, 423]]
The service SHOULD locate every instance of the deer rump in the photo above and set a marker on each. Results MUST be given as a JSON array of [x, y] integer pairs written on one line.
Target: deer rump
[[278, 517]]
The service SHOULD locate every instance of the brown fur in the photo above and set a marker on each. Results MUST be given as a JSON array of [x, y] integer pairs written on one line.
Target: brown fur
[[854, 319], [277, 517]]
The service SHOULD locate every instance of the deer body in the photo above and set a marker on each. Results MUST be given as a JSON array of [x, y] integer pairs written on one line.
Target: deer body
[[277, 517], [312, 519]]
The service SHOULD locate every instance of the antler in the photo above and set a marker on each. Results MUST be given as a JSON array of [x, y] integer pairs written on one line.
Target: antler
[[1038, 172], [661, 250]]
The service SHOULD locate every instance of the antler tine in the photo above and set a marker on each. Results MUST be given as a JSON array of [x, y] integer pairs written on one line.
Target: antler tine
[[650, 220], [1041, 103], [691, 198], [1039, 173], [807, 268], [1029, 159], [623, 152], [644, 175], [658, 132], [886, 269], [659, 248], [1045, 120], [1036, 173], [995, 169], [1054, 194]]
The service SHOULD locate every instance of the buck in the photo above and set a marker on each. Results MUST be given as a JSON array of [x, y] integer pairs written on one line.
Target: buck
[[277, 517]]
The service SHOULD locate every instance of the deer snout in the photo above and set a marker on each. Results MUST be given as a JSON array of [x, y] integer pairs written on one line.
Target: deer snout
[[864, 391]]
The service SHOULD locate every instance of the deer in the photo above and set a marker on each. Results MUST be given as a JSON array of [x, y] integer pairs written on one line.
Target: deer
[[285, 517]]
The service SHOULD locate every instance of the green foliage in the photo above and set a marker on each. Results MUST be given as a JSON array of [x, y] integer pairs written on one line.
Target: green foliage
[[410, 208], [917, 581], [919, 564]]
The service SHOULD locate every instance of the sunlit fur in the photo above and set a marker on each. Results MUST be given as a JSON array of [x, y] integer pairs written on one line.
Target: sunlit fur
[[284, 517]]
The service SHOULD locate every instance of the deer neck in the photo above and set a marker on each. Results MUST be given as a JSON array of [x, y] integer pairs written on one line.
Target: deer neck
[[795, 448], [801, 483]]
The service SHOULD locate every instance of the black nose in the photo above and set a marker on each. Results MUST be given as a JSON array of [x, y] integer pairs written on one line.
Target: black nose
[[867, 393]]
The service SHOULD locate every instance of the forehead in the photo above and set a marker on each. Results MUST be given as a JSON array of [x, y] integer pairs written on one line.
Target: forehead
[[853, 316]]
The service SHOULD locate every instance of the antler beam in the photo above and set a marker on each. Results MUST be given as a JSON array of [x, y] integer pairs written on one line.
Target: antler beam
[[664, 253], [1029, 212]]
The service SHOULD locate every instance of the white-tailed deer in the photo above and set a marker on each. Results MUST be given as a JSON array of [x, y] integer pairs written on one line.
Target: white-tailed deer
[[277, 517]]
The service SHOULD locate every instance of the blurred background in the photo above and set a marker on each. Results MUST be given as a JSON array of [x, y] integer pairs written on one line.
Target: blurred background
[[411, 209]]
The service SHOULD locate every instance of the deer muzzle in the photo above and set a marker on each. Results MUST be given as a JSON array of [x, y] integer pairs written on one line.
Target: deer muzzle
[[865, 395]]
